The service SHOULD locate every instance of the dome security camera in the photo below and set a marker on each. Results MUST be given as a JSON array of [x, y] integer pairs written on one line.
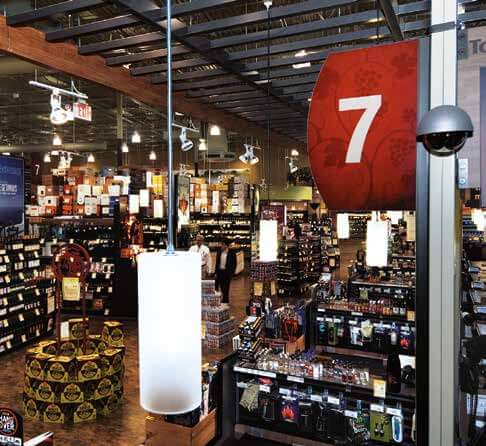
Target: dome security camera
[[444, 130]]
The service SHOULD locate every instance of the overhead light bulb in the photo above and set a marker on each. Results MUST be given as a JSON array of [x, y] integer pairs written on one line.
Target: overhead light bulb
[[294, 153], [152, 156], [91, 158], [203, 147], [186, 144], [298, 66], [124, 148], [136, 138], [47, 158], [268, 3], [56, 140], [215, 130], [249, 156]]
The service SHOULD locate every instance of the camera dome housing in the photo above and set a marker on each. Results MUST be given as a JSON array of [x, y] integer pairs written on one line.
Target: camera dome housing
[[444, 130]]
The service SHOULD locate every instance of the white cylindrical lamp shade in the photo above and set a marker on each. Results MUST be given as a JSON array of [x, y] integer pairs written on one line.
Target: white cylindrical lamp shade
[[169, 326], [268, 240], [377, 243], [411, 229], [343, 226]]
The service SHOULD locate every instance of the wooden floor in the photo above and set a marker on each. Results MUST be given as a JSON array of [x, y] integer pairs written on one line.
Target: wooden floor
[[126, 426]]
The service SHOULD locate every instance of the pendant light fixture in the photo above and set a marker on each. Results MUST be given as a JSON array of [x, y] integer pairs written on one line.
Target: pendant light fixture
[[342, 226], [249, 156], [376, 241], [47, 158], [214, 130], [56, 140], [125, 148], [91, 158], [136, 138], [268, 240], [152, 155], [203, 146], [169, 303]]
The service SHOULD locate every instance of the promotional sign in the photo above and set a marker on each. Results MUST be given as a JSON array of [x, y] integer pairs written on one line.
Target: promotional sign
[[11, 428], [83, 111], [11, 191], [362, 126]]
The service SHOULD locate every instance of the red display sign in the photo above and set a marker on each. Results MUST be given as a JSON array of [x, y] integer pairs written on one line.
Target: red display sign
[[362, 126], [83, 111]]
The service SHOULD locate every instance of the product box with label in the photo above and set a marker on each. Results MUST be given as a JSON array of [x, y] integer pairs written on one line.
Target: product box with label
[[60, 369], [113, 333], [88, 367]]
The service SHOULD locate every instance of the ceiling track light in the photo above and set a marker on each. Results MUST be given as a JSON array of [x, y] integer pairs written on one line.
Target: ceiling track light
[[186, 143], [136, 138], [249, 156]]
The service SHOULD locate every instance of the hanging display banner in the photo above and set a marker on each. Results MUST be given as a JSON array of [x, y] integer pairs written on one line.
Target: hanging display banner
[[362, 126], [11, 428]]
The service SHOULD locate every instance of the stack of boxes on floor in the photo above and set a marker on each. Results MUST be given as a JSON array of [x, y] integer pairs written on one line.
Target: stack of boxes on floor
[[75, 381], [218, 324]]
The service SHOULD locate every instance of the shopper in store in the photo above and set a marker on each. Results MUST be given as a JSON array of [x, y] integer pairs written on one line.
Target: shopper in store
[[203, 250], [225, 269]]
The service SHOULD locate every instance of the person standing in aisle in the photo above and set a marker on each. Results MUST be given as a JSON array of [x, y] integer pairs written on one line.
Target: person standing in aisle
[[203, 250], [225, 269]]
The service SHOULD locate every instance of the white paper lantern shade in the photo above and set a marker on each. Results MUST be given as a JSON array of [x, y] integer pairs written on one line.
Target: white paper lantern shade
[[411, 230], [169, 324], [268, 240], [477, 217], [377, 243], [343, 226]]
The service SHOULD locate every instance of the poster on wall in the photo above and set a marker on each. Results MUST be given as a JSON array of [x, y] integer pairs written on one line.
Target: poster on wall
[[182, 199], [11, 192], [362, 126]]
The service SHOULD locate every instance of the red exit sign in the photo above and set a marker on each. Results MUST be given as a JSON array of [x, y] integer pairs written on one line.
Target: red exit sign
[[83, 111]]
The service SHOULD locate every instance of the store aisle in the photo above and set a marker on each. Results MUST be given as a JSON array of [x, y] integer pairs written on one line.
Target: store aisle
[[125, 427]]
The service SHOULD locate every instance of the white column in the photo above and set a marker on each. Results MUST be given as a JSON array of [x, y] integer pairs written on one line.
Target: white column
[[444, 242]]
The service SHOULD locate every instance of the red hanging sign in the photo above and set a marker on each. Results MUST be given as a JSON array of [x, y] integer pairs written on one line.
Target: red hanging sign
[[362, 126]]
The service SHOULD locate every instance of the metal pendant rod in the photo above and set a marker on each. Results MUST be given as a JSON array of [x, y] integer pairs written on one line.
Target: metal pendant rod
[[170, 161]]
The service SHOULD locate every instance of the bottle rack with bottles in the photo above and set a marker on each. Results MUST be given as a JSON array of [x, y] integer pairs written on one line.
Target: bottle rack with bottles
[[27, 294]]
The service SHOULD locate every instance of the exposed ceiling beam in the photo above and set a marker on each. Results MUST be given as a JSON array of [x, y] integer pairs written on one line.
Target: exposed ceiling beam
[[144, 55], [233, 96], [30, 44], [184, 86], [206, 92], [391, 17], [177, 64], [34, 15], [276, 13], [124, 42]]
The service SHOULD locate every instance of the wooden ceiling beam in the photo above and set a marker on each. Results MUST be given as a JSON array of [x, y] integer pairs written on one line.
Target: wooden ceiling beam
[[31, 45]]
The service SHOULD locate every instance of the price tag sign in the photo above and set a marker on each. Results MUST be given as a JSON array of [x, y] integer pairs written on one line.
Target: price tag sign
[[333, 400], [361, 133], [71, 289], [379, 388], [295, 379]]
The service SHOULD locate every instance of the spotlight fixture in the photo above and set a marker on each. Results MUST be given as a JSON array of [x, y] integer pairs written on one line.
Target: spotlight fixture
[[292, 167], [58, 114], [294, 153], [152, 156], [47, 158], [268, 3], [124, 148], [215, 130], [249, 156], [203, 146], [91, 158], [136, 138], [186, 144], [56, 140]]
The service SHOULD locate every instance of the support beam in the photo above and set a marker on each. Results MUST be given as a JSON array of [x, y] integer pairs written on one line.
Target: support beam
[[30, 44], [143, 55], [157, 68], [124, 42], [391, 17], [207, 92], [67, 7]]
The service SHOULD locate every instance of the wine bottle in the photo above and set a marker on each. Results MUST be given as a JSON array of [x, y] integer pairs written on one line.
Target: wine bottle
[[393, 373]]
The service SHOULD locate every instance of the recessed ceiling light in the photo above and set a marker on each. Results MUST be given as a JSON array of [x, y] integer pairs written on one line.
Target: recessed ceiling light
[[298, 66], [301, 53]]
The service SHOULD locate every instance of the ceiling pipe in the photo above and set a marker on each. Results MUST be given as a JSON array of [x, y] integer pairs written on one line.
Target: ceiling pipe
[[69, 147]]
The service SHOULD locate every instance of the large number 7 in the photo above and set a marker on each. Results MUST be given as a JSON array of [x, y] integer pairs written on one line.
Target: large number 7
[[371, 105]]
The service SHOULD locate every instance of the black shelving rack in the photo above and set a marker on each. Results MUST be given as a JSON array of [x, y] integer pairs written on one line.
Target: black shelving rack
[[27, 295]]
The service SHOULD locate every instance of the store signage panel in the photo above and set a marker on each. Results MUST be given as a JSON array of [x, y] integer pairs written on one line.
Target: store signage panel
[[361, 128], [11, 428], [83, 111]]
